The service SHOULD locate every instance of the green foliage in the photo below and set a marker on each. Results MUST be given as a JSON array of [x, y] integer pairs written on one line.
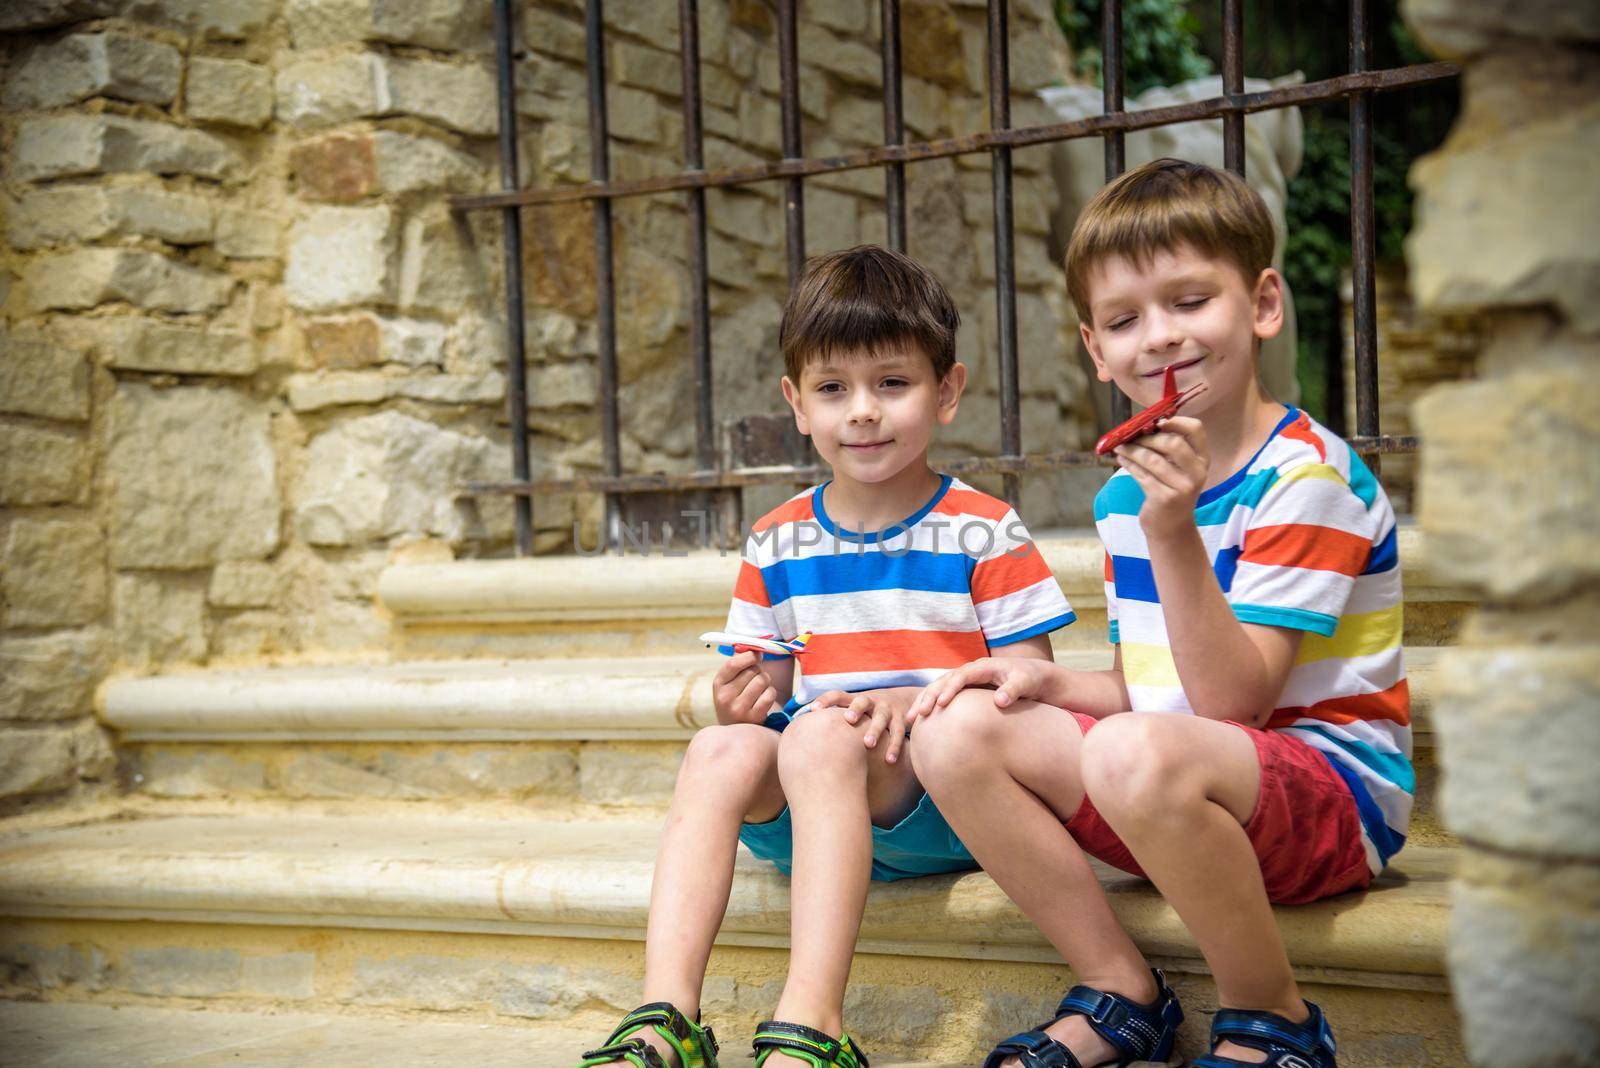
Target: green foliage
[[1160, 42]]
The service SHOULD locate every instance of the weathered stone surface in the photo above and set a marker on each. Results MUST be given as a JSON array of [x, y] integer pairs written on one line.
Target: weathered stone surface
[[248, 235], [931, 41], [537, 990], [180, 971], [622, 773], [228, 91], [486, 388], [36, 967], [565, 384], [80, 214], [39, 466], [314, 392], [82, 65], [1483, 438], [51, 676], [243, 584], [413, 342], [35, 761], [228, 20], [341, 256], [159, 619], [1454, 30], [343, 343], [344, 167], [1526, 933], [852, 60], [462, 98], [85, 278], [193, 478], [148, 345], [439, 269], [382, 476], [437, 24], [58, 146], [185, 771], [322, 92], [340, 167], [40, 376], [54, 572], [39, 14]]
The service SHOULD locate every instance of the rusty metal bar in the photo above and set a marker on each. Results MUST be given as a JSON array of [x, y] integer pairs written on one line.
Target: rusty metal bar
[[1233, 84], [894, 127], [759, 476], [605, 281], [1361, 230], [695, 206], [511, 228], [794, 203], [1005, 258], [1095, 125], [1116, 149]]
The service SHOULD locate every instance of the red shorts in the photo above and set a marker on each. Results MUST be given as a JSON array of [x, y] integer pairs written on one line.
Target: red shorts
[[1305, 830]]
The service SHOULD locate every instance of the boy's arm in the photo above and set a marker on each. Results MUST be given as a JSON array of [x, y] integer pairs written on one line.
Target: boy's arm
[[1016, 678]]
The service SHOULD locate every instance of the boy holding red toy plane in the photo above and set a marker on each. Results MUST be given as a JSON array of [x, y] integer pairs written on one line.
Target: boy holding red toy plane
[[1253, 592]]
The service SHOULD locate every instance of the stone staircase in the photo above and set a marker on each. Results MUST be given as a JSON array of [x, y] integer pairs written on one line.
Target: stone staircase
[[465, 830]]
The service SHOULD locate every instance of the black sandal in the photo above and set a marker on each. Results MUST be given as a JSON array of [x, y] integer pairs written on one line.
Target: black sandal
[[818, 1048], [1137, 1032], [1287, 1044]]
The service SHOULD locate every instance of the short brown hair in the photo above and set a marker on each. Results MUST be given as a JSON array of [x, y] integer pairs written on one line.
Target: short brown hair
[[867, 298], [1162, 206]]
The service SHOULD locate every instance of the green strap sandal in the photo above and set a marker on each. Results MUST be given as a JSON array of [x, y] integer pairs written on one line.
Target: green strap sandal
[[807, 1043], [696, 1046]]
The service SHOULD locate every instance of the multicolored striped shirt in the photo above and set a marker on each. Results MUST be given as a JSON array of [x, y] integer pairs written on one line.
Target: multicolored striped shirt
[[1301, 537], [900, 607]]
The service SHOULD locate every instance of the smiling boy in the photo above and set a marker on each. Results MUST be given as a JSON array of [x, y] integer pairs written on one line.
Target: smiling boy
[[1253, 589], [900, 574]]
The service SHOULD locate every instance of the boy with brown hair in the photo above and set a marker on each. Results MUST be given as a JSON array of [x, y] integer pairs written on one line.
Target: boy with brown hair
[[1253, 588], [899, 574]]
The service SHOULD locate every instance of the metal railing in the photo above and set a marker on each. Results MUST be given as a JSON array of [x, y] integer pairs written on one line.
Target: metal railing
[[999, 141]]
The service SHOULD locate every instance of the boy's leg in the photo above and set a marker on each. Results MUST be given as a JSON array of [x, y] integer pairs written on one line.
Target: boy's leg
[[729, 776], [837, 789], [1178, 791], [1007, 782]]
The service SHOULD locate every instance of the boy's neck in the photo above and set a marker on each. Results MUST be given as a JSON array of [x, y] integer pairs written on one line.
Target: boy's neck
[[869, 507], [1236, 427]]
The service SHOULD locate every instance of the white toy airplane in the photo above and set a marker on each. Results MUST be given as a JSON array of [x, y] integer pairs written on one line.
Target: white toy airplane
[[766, 643]]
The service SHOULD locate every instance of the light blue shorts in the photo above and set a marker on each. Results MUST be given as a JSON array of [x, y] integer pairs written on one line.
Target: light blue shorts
[[920, 844]]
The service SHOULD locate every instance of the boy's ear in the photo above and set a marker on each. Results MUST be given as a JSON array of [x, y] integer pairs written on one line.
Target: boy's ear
[[1086, 332], [791, 393], [1269, 299], [950, 390]]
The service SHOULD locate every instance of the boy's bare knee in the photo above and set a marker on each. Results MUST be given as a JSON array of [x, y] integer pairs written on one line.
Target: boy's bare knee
[[819, 742], [727, 749], [1134, 762], [947, 740]]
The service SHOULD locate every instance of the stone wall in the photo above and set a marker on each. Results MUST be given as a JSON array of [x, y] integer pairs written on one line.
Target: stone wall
[[249, 353], [1509, 494]]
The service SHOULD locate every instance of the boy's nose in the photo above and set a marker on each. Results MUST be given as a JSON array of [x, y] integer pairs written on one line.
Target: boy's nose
[[1162, 333]]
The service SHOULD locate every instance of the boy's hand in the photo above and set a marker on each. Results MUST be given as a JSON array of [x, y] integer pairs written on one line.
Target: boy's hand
[[884, 711], [1014, 679], [741, 691], [1170, 466]]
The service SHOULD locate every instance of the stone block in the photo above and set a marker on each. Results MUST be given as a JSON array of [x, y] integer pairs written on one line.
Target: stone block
[[54, 572], [39, 968], [439, 269], [486, 388], [40, 466], [628, 773], [290, 976], [462, 98], [248, 235], [346, 167], [412, 342], [253, 635], [1453, 30], [382, 476], [62, 145], [440, 983], [327, 91], [193, 478], [1484, 438], [41, 14], [83, 65], [832, 220], [180, 971], [243, 584], [931, 42], [150, 345], [646, 68], [343, 343], [40, 376], [442, 25], [51, 676], [225, 20], [159, 619], [82, 214], [184, 771], [853, 61], [563, 384], [88, 277], [845, 16], [341, 256], [36, 761], [1526, 933], [634, 115], [228, 91], [553, 33], [315, 392]]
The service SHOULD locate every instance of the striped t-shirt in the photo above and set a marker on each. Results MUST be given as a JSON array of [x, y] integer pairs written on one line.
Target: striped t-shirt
[[897, 608], [1301, 537]]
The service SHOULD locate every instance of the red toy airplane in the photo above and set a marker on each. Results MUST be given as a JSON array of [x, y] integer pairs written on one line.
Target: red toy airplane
[[1145, 422]]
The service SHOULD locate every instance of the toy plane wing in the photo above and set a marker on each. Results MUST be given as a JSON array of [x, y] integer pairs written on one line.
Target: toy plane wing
[[766, 643]]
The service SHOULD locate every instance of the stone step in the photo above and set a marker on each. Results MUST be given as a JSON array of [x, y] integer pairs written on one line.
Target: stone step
[[536, 731], [501, 921], [636, 605]]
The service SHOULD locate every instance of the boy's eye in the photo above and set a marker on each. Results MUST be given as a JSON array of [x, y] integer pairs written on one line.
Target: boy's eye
[[1195, 303], [1118, 324], [892, 383], [829, 387]]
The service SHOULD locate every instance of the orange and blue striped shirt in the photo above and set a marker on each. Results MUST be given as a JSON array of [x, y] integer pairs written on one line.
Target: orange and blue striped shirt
[[900, 607], [1301, 537]]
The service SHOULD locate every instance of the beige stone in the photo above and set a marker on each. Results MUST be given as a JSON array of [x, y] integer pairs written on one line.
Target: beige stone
[[406, 164], [54, 572], [193, 478], [248, 235], [50, 676], [645, 68], [628, 774], [439, 269], [160, 619], [185, 771], [343, 342], [147, 345], [486, 388], [461, 98], [228, 91], [35, 761], [438, 24], [316, 391], [243, 584], [61, 145], [43, 377], [1451, 29], [82, 65], [40, 466], [326, 91], [85, 278], [634, 115], [81, 214], [414, 342], [39, 14], [341, 256]]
